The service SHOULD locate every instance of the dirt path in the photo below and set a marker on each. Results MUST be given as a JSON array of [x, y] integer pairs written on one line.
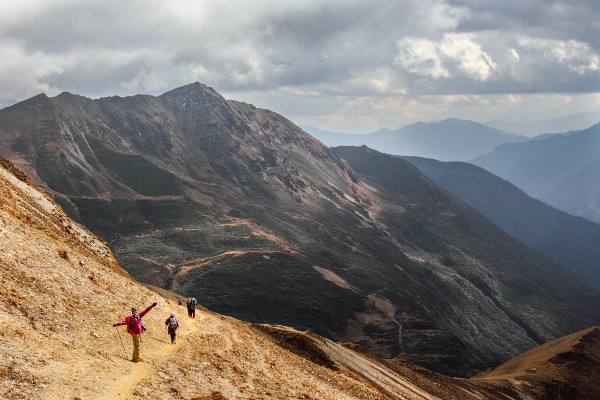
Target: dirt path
[[154, 349]]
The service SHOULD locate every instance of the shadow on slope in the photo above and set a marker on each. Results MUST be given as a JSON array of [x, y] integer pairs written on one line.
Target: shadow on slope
[[62, 291], [569, 240]]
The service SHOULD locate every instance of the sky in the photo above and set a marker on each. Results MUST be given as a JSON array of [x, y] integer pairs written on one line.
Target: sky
[[343, 65]]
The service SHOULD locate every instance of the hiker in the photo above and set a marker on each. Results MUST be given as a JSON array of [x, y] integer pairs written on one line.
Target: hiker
[[180, 302], [191, 306], [172, 325], [135, 328]]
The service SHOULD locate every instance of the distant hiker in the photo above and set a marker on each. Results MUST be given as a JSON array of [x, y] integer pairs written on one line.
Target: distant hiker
[[172, 325], [180, 302], [135, 328], [191, 306]]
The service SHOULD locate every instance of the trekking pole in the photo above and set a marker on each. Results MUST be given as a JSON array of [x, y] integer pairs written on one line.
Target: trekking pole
[[121, 342]]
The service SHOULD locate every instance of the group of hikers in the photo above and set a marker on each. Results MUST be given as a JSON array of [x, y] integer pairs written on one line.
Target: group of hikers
[[136, 328]]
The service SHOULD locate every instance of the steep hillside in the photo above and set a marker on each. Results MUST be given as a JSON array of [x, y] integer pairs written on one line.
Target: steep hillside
[[448, 140], [241, 209], [566, 368], [578, 193], [569, 240], [62, 291], [561, 170]]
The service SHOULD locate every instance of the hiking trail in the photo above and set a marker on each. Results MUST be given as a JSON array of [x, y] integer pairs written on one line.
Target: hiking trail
[[155, 348]]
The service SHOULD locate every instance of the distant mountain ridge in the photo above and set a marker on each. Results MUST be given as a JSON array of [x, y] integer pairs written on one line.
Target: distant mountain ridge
[[573, 122], [571, 241], [448, 140], [561, 170], [243, 210]]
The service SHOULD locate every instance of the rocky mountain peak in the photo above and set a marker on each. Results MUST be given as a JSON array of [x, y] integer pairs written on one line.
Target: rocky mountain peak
[[192, 96], [240, 208], [41, 101]]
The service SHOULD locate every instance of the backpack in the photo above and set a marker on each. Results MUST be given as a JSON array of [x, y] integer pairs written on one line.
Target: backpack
[[173, 323], [193, 304], [129, 326]]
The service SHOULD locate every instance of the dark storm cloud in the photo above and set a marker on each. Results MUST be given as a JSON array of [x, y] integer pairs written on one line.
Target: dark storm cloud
[[374, 53], [237, 44], [549, 19]]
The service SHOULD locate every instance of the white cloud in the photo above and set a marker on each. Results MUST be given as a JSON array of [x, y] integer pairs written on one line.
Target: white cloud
[[513, 55], [468, 55], [458, 52], [421, 57], [576, 56]]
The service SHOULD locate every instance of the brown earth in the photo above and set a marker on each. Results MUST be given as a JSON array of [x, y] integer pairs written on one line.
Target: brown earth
[[62, 290], [565, 368]]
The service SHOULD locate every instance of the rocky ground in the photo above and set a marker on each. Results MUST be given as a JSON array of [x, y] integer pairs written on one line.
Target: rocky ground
[[62, 291]]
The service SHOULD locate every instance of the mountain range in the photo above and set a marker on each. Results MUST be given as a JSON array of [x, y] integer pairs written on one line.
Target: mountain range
[[448, 140], [569, 240], [49, 262], [562, 170], [573, 122], [243, 210]]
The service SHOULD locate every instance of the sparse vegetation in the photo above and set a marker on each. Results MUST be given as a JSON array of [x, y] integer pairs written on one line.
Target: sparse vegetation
[[236, 205]]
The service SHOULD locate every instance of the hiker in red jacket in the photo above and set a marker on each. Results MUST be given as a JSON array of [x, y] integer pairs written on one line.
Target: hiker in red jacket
[[135, 328]]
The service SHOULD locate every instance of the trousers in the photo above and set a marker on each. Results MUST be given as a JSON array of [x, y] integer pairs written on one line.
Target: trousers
[[136, 347]]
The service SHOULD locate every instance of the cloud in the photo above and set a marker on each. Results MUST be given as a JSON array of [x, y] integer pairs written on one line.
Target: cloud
[[468, 56], [232, 44], [422, 57], [332, 50], [33, 71], [454, 54], [576, 56]]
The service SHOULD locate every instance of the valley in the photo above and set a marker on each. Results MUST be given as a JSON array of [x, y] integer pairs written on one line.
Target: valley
[[238, 207], [49, 260]]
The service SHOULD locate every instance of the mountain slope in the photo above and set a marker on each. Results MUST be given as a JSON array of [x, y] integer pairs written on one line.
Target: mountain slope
[[396, 175], [550, 168], [566, 368], [569, 240], [51, 263], [62, 291], [241, 209], [449, 140], [578, 193]]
